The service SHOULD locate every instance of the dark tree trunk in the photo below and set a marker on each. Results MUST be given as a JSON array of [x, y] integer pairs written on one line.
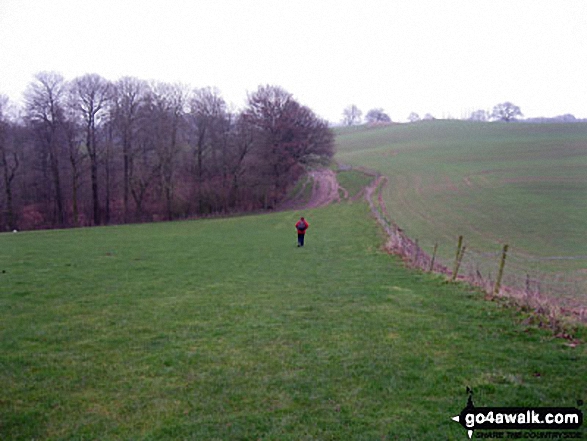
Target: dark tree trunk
[[126, 178], [74, 185], [107, 213], [92, 153], [74, 160], [95, 198], [9, 173], [54, 163], [200, 159]]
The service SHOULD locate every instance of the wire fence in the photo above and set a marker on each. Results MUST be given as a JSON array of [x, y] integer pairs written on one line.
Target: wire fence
[[522, 278]]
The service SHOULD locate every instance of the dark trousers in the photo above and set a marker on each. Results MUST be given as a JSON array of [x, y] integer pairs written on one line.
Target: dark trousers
[[301, 240]]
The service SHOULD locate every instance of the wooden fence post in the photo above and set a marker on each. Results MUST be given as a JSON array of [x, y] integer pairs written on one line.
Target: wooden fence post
[[456, 265], [500, 273], [459, 260], [433, 257]]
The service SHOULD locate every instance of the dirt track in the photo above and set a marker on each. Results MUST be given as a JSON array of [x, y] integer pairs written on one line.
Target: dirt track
[[325, 188]]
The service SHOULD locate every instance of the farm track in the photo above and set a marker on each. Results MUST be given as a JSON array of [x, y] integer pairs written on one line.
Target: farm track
[[325, 190]]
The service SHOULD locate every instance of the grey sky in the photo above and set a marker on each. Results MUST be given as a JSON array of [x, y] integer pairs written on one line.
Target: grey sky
[[442, 57]]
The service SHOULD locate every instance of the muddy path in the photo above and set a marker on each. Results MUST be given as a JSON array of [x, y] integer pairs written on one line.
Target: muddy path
[[325, 190]]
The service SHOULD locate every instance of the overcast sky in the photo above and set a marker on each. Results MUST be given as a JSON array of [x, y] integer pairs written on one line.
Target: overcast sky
[[442, 57]]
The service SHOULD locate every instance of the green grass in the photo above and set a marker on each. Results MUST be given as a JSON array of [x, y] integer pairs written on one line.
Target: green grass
[[494, 183], [353, 181], [223, 329]]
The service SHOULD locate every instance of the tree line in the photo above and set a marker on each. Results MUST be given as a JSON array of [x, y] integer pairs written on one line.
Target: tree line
[[93, 152], [506, 111]]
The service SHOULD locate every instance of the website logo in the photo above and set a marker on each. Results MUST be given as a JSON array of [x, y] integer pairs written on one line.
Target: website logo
[[518, 418]]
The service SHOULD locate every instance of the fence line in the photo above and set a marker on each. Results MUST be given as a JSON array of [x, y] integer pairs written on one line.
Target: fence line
[[550, 294]]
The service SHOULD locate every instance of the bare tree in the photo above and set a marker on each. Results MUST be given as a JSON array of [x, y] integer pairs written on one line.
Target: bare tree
[[145, 164], [9, 163], [73, 130], [243, 136], [44, 100], [208, 122], [351, 115], [143, 175], [167, 104], [506, 111], [129, 95], [312, 142], [266, 111], [287, 135], [91, 95], [91, 152], [413, 117], [377, 115], [479, 115]]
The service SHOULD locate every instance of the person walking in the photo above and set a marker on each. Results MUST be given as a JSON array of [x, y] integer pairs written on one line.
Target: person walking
[[301, 226]]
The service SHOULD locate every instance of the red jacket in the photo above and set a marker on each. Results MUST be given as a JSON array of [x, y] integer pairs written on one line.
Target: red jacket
[[300, 226]]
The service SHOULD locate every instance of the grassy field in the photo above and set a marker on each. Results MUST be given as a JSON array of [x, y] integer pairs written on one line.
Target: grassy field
[[223, 329], [494, 183], [353, 181]]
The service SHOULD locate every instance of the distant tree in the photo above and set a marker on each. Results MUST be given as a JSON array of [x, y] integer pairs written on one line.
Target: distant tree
[[413, 117], [288, 136], [479, 115], [351, 115], [506, 111], [567, 117], [145, 165], [242, 139], [207, 123], [377, 116], [9, 163], [45, 112], [167, 104], [74, 133], [88, 152], [315, 141], [129, 96], [90, 95], [428, 117]]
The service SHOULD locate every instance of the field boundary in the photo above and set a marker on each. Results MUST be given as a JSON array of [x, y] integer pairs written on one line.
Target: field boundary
[[533, 296], [552, 311]]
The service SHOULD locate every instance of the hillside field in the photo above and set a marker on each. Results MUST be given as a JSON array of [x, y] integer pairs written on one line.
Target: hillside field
[[223, 329], [494, 183]]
